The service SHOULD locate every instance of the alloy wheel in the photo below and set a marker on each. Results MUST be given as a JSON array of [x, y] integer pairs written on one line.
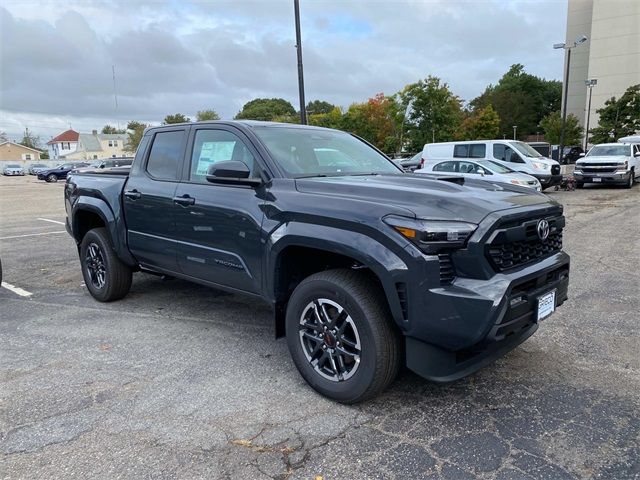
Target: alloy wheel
[[330, 340], [96, 266]]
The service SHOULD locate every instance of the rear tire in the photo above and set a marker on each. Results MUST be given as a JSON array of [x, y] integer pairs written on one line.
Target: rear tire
[[52, 178], [105, 276], [364, 325]]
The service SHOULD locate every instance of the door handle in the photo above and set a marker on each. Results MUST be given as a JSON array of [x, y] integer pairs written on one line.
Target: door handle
[[185, 200], [132, 194]]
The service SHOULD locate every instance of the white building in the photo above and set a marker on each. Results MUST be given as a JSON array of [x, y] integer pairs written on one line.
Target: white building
[[63, 145], [611, 54]]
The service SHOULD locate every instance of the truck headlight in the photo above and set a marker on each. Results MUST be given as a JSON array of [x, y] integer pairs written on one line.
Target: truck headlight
[[623, 165], [541, 166], [432, 236]]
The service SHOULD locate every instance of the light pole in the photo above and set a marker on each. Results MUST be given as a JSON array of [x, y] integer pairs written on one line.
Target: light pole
[[303, 112], [515, 129], [578, 41], [590, 84]]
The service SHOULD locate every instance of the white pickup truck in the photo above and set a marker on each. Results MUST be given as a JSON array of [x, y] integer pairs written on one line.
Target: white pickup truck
[[613, 163]]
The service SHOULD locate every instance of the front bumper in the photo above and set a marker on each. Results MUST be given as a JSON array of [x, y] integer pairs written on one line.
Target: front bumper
[[481, 320], [609, 178], [549, 180]]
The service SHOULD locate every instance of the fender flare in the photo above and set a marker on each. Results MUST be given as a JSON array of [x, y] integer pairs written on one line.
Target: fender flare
[[388, 267], [117, 236]]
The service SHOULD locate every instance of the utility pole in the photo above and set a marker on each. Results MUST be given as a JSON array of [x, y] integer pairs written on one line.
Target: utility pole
[[515, 129], [578, 41], [590, 84], [303, 112]]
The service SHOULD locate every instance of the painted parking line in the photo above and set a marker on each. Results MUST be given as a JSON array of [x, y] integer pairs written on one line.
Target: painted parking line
[[16, 290], [52, 221], [32, 235]]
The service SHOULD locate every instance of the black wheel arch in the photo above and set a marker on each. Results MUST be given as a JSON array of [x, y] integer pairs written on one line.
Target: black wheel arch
[[293, 259]]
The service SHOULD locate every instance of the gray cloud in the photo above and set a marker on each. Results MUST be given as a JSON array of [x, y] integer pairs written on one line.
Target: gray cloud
[[186, 56]]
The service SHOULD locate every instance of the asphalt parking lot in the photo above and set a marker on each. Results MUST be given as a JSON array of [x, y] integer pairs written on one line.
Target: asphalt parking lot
[[181, 381]]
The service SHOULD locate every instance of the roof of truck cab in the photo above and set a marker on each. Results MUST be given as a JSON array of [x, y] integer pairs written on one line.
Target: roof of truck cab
[[246, 123]]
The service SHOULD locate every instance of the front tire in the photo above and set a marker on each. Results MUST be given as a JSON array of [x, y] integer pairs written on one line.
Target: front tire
[[631, 180], [105, 276], [579, 184], [52, 178], [341, 335]]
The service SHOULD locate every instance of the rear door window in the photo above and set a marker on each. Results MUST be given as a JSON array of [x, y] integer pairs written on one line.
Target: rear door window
[[477, 150], [445, 167], [461, 151], [165, 157]]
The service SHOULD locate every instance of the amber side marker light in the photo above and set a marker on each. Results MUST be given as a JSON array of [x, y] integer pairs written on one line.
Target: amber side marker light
[[407, 232]]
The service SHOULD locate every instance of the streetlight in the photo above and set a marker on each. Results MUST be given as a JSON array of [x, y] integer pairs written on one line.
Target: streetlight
[[578, 41], [590, 84], [515, 129]]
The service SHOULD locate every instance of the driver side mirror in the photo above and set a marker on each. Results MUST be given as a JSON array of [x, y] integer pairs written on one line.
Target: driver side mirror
[[637, 154], [481, 172], [231, 172], [581, 155]]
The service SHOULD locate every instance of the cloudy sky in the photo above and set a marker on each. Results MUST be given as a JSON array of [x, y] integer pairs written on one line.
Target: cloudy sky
[[183, 56]]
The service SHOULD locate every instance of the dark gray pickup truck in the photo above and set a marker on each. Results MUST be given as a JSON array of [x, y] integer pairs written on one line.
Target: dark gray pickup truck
[[367, 268]]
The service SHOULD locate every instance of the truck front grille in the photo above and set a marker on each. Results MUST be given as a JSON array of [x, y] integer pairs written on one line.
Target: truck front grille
[[602, 168], [518, 245]]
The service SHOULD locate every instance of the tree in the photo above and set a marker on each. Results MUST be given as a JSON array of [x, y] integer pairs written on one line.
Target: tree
[[434, 113], [175, 118], [30, 140], [319, 106], [332, 119], [552, 127], [265, 109], [108, 129], [210, 114], [4, 137], [483, 124], [618, 118], [376, 120], [135, 131], [520, 99]]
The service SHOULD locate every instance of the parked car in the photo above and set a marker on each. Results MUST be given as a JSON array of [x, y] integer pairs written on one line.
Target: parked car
[[110, 163], [517, 156], [412, 163], [571, 153], [613, 163], [13, 169], [486, 169], [60, 172], [366, 268], [34, 168]]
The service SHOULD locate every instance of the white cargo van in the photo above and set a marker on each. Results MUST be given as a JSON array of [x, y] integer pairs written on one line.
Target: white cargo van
[[516, 155]]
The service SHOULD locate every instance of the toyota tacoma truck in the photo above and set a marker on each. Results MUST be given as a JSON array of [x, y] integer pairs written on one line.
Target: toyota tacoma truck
[[612, 163], [367, 268]]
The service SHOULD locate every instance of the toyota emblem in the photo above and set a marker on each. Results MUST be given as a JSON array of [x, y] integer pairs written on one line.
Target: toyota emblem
[[543, 229]]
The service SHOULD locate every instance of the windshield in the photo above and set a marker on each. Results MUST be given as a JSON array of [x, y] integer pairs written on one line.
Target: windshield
[[494, 166], [13, 165], [526, 149], [303, 152], [95, 164], [610, 151]]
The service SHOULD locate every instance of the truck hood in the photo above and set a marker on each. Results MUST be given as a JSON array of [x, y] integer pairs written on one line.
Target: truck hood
[[427, 196]]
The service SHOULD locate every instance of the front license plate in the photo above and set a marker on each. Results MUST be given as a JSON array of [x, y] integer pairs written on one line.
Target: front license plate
[[546, 304], [596, 179]]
